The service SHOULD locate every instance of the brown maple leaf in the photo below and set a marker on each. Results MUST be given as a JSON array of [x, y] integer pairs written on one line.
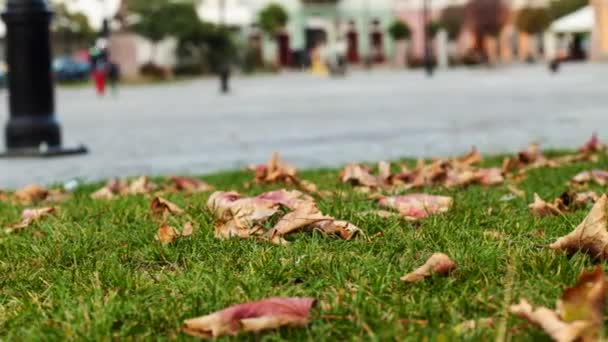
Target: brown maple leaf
[[254, 317], [579, 314], [590, 236], [162, 207], [438, 263]]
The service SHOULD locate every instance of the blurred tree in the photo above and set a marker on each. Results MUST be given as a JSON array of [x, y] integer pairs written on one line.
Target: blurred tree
[[71, 28], [533, 20], [272, 18], [399, 30], [560, 8], [452, 19], [433, 28]]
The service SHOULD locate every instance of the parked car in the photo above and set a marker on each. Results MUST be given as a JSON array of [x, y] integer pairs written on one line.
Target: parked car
[[68, 69]]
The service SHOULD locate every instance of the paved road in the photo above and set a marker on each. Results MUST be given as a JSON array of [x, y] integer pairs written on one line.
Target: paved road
[[188, 128]]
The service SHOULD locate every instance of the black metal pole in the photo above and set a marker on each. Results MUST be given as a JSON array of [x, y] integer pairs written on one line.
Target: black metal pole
[[428, 63], [225, 67], [32, 129]]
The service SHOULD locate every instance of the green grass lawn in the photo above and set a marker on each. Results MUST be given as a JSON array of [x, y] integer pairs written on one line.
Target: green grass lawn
[[95, 271]]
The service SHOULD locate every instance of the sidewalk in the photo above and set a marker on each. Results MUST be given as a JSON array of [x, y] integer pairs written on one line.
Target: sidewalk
[[187, 127]]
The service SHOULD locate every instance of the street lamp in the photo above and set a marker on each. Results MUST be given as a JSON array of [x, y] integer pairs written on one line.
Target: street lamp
[[32, 130], [428, 63]]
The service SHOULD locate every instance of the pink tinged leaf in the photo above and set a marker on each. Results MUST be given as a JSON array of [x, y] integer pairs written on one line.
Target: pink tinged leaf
[[592, 145], [257, 316]]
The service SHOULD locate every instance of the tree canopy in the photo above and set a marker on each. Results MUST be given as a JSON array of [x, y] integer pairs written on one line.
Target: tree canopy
[[399, 30], [452, 19], [272, 18], [533, 20]]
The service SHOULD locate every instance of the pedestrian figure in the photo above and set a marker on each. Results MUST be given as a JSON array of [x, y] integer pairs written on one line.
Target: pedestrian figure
[[99, 67], [114, 77]]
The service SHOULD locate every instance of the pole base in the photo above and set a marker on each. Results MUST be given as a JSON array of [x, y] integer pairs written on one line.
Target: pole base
[[43, 152]]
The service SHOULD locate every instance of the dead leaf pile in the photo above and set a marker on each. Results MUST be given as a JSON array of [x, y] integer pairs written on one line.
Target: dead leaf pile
[[533, 158], [272, 313], [246, 217], [415, 207], [276, 171], [568, 201], [28, 216], [165, 211], [590, 236], [457, 172], [438, 263], [579, 312], [34, 193]]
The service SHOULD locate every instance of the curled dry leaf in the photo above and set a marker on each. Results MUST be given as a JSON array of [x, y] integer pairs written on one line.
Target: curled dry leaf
[[277, 171], [565, 202], [592, 145], [541, 208], [28, 216], [598, 176], [166, 234], [120, 187], [189, 185], [254, 317], [31, 193], [579, 314], [438, 263], [162, 207], [417, 206], [245, 217], [590, 236], [359, 175]]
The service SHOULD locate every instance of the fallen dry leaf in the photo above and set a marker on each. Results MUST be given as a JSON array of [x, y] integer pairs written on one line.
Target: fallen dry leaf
[[188, 229], [541, 208], [277, 171], [579, 313], [567, 201], [189, 185], [438, 263], [28, 216], [119, 187], [166, 234], [245, 217], [592, 145], [359, 175], [162, 207], [31, 193], [254, 317], [590, 236], [598, 176], [417, 206]]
